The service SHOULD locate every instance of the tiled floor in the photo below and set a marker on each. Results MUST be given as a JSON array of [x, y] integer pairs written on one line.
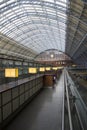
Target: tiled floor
[[43, 113]]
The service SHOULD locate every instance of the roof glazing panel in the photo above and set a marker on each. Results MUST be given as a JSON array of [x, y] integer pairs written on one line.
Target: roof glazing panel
[[37, 24]]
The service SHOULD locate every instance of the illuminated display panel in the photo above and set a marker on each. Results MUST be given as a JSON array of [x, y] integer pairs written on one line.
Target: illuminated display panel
[[55, 68], [48, 68], [11, 72], [42, 69], [32, 70]]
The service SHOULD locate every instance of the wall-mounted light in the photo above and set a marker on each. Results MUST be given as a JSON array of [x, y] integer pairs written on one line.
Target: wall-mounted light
[[11, 72], [61, 67], [48, 68], [73, 65], [51, 55], [55, 68], [42, 69], [32, 70]]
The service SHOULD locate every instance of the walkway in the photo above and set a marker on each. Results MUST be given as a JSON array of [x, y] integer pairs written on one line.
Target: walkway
[[43, 113]]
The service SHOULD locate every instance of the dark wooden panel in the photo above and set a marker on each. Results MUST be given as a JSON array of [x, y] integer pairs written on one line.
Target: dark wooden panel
[[48, 80]]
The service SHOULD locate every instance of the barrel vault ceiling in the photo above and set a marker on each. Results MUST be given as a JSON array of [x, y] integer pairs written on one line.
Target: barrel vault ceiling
[[29, 27]]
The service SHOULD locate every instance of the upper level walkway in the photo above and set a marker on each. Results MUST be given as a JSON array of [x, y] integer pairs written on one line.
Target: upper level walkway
[[44, 112]]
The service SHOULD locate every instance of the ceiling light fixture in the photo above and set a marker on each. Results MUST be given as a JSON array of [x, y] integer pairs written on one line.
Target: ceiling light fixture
[[51, 55]]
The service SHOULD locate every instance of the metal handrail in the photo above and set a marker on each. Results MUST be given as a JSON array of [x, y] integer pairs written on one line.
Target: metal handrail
[[63, 106], [68, 104], [85, 108], [81, 101]]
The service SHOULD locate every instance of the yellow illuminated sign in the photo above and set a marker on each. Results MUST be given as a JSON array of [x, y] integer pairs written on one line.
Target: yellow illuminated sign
[[32, 70], [55, 68], [11, 72], [74, 65], [48, 68], [42, 69], [60, 67]]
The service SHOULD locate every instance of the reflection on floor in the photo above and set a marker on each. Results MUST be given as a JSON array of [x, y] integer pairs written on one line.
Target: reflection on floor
[[43, 113]]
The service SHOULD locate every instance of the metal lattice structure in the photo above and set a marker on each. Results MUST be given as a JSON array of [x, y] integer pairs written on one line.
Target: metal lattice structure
[[29, 27], [36, 24], [76, 45], [52, 55]]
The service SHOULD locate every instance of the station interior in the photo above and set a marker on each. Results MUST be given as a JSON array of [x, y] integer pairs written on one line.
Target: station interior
[[43, 64]]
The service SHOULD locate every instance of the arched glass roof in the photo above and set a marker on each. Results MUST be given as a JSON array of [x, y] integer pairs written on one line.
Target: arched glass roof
[[36, 24], [52, 55]]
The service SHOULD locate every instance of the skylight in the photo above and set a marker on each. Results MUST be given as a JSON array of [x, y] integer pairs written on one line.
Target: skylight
[[20, 20]]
